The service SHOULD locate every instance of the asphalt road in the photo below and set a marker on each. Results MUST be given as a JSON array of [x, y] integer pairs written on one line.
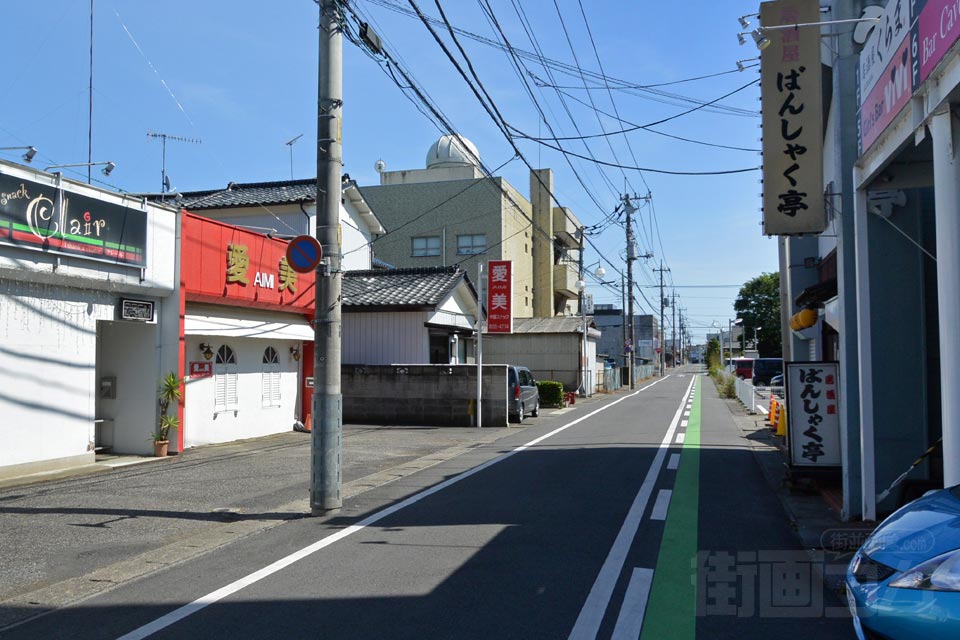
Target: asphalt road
[[611, 523]]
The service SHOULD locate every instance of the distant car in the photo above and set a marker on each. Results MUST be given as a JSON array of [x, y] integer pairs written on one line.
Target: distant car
[[904, 582], [743, 368], [523, 397], [777, 380], [764, 369]]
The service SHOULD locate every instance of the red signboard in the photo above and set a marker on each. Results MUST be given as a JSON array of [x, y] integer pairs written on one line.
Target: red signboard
[[499, 296], [887, 98], [201, 369], [224, 264]]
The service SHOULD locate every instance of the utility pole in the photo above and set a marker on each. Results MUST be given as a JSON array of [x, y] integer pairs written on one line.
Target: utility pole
[[673, 347], [663, 350], [326, 441], [631, 257]]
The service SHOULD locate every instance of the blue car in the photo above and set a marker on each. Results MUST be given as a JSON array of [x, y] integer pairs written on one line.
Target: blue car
[[904, 582]]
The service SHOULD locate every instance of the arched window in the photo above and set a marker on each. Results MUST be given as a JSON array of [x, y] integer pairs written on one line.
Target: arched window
[[225, 380], [271, 378]]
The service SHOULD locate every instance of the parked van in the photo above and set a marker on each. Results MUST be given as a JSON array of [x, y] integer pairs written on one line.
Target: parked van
[[764, 369], [743, 368], [523, 398]]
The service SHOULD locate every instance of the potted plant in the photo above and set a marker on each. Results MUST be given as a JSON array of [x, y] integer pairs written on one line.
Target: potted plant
[[171, 389]]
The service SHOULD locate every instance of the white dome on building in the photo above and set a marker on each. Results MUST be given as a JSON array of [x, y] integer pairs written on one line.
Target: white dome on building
[[452, 151]]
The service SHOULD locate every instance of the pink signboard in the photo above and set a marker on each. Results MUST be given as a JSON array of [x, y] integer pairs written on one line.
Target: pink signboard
[[887, 98], [938, 27]]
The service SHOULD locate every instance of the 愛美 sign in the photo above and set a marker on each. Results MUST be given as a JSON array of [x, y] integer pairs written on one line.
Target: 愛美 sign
[[43, 218], [813, 413], [790, 91], [499, 296]]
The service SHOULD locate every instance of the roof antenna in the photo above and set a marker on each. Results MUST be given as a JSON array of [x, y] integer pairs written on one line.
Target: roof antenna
[[289, 143], [164, 180]]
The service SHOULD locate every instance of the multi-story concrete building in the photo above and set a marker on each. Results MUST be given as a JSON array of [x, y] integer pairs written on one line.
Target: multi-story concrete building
[[610, 321], [451, 213]]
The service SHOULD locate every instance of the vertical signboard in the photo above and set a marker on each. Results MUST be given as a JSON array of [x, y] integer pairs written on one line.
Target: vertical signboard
[[499, 296], [790, 79], [936, 29], [813, 413]]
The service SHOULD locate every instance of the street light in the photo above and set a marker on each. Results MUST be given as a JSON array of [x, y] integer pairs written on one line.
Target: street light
[[730, 324], [581, 286], [108, 166], [27, 157], [763, 42]]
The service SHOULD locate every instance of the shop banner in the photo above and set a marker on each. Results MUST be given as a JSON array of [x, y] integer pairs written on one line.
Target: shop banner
[[42, 218], [887, 98], [937, 29], [500, 296], [813, 413], [790, 93], [882, 46]]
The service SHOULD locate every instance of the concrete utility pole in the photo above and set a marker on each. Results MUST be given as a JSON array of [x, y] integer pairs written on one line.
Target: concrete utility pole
[[326, 441], [673, 347], [631, 257], [663, 350]]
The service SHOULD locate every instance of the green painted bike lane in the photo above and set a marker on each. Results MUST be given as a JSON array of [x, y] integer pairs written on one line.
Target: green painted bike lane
[[672, 607]]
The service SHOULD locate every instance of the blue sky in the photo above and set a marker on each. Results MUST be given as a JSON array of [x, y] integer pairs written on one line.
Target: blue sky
[[241, 76]]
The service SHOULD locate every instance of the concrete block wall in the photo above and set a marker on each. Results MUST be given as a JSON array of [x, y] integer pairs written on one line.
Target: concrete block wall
[[434, 395]]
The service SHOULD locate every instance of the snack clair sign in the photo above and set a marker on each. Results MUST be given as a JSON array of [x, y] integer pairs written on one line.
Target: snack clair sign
[[791, 97], [43, 217]]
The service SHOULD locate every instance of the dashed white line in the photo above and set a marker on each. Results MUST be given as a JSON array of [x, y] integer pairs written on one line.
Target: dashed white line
[[659, 511], [679, 438], [674, 462], [684, 423]]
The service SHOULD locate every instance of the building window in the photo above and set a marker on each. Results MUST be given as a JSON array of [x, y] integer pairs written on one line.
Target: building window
[[270, 383], [225, 380], [424, 246], [472, 244]]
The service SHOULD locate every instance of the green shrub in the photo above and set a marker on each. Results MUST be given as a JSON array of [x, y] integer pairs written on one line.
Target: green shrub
[[551, 393]]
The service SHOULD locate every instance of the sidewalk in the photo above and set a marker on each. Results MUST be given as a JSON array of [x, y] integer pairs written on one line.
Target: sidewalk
[[71, 535], [814, 516]]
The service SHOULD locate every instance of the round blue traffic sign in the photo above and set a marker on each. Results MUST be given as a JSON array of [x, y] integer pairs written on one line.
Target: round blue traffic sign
[[304, 253]]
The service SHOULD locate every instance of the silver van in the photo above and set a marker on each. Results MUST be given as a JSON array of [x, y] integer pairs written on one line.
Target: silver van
[[523, 398]]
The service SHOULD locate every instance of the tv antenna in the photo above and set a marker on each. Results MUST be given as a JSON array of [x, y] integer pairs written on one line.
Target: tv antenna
[[289, 143], [164, 180]]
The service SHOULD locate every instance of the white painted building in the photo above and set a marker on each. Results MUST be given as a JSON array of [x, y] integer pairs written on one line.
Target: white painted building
[[76, 374]]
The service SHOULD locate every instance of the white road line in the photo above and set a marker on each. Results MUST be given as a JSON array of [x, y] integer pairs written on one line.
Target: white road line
[[204, 601], [673, 462], [591, 615], [679, 438], [661, 504], [684, 423], [686, 414], [630, 620]]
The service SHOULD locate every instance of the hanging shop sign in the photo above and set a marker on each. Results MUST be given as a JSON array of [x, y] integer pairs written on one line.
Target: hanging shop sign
[[791, 97], [500, 296], [935, 30], [813, 413], [41, 217]]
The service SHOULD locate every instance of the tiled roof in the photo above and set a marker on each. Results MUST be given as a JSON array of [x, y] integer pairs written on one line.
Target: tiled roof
[[400, 287], [560, 324], [249, 194]]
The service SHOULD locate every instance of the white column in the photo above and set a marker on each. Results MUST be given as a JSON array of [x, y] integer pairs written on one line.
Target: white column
[[865, 358], [946, 177]]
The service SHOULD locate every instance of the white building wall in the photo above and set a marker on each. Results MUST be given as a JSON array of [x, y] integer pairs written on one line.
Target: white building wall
[[385, 338], [203, 425], [48, 349]]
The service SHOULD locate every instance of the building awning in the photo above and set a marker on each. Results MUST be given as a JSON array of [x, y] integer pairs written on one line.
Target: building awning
[[227, 327]]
